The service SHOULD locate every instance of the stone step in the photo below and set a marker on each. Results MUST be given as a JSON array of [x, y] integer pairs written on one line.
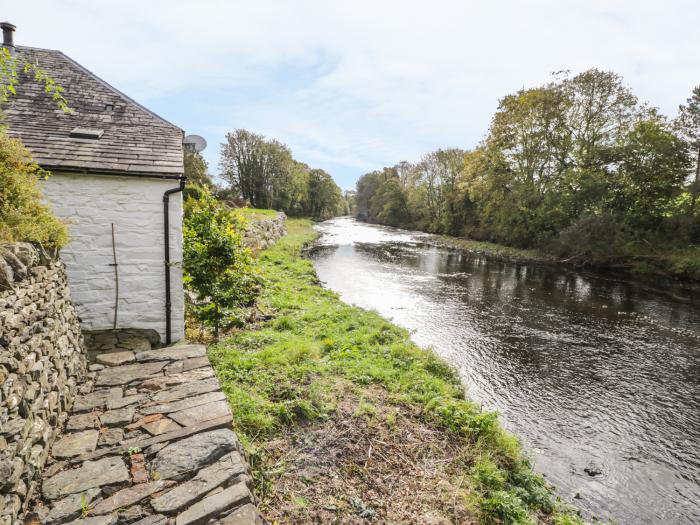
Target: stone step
[[151, 444]]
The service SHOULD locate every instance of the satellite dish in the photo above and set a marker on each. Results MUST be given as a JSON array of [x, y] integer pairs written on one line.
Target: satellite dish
[[194, 143]]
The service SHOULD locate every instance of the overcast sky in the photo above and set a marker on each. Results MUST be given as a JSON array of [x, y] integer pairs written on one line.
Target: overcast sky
[[352, 86]]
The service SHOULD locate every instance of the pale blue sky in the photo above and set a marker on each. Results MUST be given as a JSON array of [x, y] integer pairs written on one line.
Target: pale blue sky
[[354, 86]]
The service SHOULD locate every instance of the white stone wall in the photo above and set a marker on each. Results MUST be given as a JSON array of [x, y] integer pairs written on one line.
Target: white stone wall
[[90, 204]]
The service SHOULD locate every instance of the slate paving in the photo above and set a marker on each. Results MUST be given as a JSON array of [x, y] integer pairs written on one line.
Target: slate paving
[[151, 445]]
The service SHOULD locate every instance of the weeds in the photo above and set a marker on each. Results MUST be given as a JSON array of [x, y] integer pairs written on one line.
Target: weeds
[[84, 506]]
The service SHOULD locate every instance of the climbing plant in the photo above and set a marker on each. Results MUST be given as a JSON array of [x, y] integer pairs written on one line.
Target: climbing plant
[[11, 67]]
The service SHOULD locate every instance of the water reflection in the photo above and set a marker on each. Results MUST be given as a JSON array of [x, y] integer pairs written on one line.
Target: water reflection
[[586, 369]]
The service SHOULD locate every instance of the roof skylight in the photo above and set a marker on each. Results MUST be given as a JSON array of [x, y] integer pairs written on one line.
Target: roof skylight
[[86, 133]]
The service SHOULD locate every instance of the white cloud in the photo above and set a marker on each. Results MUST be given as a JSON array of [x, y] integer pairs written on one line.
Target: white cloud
[[355, 85]]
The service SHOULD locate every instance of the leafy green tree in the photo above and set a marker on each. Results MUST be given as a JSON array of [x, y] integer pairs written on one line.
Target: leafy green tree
[[597, 109], [524, 151], [259, 169], [325, 197], [276, 175], [218, 267], [297, 190], [367, 186], [653, 167], [350, 202], [688, 126], [241, 164], [562, 164], [374, 190], [389, 204], [196, 169], [264, 173]]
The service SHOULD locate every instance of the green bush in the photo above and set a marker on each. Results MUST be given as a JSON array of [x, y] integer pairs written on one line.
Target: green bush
[[218, 267], [23, 215], [604, 236]]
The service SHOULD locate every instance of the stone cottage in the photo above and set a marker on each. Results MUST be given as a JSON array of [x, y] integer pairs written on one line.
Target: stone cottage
[[116, 179]]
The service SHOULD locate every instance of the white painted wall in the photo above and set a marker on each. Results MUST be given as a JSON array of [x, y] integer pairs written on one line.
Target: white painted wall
[[90, 204]]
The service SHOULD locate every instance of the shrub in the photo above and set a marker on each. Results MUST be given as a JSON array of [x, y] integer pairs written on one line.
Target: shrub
[[23, 215], [682, 229], [218, 267], [604, 236]]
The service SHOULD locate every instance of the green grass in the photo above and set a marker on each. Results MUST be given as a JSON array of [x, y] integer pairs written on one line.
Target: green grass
[[257, 213], [294, 369]]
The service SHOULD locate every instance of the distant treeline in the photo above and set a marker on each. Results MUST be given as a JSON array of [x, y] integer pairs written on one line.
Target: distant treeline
[[577, 167], [262, 173]]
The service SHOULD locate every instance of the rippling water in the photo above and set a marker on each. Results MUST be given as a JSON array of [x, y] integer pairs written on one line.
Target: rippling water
[[588, 370]]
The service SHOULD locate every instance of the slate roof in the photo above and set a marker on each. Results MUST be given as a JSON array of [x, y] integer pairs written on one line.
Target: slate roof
[[134, 139]]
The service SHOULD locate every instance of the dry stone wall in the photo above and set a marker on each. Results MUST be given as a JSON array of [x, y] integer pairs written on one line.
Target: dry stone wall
[[42, 365], [264, 233]]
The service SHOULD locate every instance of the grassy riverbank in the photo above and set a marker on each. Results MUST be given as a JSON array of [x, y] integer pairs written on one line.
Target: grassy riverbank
[[256, 214], [347, 421], [682, 264]]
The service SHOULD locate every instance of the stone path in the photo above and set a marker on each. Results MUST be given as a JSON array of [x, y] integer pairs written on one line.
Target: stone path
[[151, 444]]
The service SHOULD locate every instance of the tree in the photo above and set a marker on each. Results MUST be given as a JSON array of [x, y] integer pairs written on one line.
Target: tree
[[389, 205], [297, 192], [571, 159], [264, 173], [326, 198], [688, 126], [217, 266], [598, 109], [653, 166], [525, 160], [196, 169], [241, 163], [259, 169], [275, 175]]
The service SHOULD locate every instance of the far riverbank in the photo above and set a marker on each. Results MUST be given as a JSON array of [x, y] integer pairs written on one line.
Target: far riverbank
[[679, 265]]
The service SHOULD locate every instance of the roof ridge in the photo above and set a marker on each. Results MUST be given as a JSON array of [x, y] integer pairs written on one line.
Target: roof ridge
[[105, 84]]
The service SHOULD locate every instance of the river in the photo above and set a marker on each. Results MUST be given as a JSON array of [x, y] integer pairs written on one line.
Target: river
[[593, 373]]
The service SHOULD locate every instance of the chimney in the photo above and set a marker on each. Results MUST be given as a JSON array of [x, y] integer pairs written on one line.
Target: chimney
[[7, 33]]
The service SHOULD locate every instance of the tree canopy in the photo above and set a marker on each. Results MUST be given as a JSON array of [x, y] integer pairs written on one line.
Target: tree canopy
[[263, 172], [578, 152]]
